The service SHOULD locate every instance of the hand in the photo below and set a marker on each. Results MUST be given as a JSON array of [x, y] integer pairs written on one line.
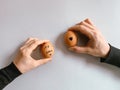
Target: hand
[[97, 45], [23, 61]]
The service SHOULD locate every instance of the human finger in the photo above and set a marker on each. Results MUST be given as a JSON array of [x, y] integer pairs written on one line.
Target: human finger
[[82, 29], [27, 44], [34, 45], [42, 61], [79, 49], [89, 21], [87, 25], [29, 39]]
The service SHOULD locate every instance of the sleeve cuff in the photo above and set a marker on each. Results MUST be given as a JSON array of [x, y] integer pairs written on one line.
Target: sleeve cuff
[[109, 56], [12, 71], [113, 57]]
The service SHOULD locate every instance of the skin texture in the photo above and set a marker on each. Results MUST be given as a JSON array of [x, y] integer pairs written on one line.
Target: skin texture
[[96, 46], [23, 61]]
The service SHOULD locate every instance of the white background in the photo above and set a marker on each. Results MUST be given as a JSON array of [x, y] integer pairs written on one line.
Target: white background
[[49, 19]]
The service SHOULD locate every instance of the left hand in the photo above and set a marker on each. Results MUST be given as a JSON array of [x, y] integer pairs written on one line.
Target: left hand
[[23, 61]]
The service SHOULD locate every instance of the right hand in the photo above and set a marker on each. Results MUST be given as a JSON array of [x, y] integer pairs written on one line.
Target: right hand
[[96, 46]]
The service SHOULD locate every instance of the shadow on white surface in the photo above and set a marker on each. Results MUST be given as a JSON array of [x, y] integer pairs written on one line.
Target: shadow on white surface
[[88, 59]]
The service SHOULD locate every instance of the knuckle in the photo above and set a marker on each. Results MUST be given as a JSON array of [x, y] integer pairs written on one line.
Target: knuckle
[[23, 52], [82, 22], [94, 34], [36, 42], [21, 49], [80, 26]]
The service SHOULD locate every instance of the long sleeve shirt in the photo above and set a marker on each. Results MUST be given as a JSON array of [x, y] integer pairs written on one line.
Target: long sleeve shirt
[[9, 73]]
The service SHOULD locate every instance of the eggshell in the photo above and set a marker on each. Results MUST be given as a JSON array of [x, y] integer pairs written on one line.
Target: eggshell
[[70, 38], [47, 50]]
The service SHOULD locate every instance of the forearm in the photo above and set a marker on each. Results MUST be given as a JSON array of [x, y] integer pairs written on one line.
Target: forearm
[[8, 74], [113, 57]]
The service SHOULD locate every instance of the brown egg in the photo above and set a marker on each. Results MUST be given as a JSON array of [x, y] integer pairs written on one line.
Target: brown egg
[[70, 38], [47, 50]]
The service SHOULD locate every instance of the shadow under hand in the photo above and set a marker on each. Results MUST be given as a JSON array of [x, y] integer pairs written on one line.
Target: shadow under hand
[[88, 59], [60, 44], [36, 54]]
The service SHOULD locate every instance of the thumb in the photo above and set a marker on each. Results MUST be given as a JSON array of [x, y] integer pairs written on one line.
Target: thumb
[[42, 61], [78, 49]]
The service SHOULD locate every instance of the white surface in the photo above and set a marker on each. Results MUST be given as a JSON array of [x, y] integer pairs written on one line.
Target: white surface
[[48, 19]]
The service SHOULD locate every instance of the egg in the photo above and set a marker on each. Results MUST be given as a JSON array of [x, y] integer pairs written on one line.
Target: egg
[[47, 50], [70, 38]]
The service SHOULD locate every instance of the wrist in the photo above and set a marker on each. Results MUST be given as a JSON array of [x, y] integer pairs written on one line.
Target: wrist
[[106, 51], [19, 67]]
